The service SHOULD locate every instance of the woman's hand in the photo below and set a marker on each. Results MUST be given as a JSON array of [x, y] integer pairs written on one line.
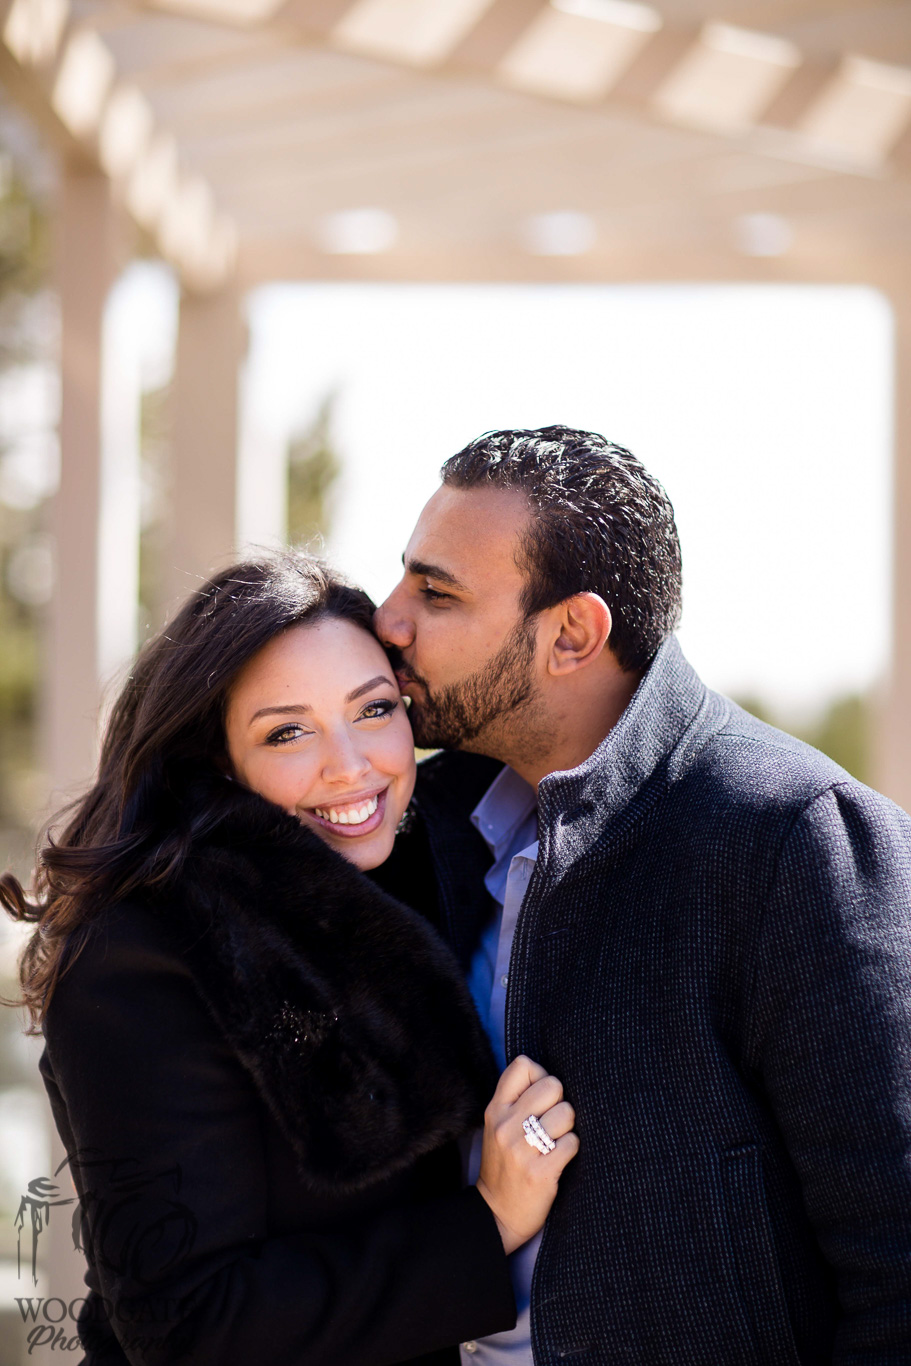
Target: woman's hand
[[518, 1182]]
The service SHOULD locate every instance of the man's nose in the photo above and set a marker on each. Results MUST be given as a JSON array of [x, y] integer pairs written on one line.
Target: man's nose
[[393, 623]]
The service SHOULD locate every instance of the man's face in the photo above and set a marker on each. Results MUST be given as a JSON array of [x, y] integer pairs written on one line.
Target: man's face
[[461, 648]]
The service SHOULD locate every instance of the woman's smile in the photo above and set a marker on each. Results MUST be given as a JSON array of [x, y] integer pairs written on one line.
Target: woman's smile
[[352, 816]]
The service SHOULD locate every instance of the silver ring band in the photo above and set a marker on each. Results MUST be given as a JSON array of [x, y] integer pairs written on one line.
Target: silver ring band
[[537, 1136]]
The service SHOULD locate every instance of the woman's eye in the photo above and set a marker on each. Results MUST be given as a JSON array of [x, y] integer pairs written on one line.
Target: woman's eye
[[383, 706], [284, 735]]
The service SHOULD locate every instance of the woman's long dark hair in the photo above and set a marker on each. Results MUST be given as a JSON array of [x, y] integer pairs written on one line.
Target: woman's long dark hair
[[134, 827]]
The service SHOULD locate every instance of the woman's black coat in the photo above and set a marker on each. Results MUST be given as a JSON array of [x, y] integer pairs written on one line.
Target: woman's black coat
[[256, 1075]]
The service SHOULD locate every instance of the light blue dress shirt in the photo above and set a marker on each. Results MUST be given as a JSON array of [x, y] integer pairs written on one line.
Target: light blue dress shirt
[[507, 817]]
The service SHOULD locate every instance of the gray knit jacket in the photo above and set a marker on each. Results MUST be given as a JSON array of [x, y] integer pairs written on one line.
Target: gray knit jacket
[[714, 955]]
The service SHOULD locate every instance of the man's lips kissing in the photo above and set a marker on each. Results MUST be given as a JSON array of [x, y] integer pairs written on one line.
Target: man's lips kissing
[[406, 681]]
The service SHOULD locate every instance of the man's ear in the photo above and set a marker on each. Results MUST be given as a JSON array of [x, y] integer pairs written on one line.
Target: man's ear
[[584, 625]]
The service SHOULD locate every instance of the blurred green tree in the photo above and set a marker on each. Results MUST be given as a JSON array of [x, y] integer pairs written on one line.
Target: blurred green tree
[[313, 468], [845, 733], [155, 454], [26, 350]]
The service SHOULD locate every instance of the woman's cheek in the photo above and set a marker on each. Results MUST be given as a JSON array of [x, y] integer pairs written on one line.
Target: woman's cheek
[[283, 779]]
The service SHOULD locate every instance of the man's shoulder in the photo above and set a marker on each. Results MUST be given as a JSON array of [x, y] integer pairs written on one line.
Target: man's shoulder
[[748, 764], [745, 740]]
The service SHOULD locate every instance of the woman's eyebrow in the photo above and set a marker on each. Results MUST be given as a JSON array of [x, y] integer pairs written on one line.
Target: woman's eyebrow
[[366, 687], [297, 710], [300, 708]]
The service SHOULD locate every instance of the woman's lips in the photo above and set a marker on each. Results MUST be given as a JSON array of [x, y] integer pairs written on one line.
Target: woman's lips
[[366, 827]]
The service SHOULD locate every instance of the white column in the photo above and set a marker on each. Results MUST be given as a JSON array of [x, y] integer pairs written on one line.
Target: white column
[[210, 344], [88, 556], [87, 260], [265, 436], [119, 519], [894, 741]]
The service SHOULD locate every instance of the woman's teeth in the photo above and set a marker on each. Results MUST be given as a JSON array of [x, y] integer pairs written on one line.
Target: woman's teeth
[[349, 815]]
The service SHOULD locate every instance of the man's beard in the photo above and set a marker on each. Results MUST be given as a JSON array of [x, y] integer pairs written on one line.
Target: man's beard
[[455, 716]]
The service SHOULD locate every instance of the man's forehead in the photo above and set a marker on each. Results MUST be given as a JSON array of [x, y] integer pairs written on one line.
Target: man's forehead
[[467, 531]]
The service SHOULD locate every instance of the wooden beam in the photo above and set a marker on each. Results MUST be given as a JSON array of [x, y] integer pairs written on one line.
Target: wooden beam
[[32, 98], [620, 263], [638, 88], [200, 241], [799, 94], [314, 16], [294, 90], [497, 31], [640, 83], [901, 155], [529, 177]]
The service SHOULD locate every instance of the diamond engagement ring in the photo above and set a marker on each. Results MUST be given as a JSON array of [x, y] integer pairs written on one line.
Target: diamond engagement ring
[[537, 1136]]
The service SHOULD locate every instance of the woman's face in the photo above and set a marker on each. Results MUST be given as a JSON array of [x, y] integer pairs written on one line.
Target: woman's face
[[316, 724]]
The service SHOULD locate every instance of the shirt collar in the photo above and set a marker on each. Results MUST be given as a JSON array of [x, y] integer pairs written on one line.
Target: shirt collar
[[506, 805]]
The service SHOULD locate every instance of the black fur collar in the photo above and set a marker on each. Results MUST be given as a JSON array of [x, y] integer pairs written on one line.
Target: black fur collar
[[350, 1013]]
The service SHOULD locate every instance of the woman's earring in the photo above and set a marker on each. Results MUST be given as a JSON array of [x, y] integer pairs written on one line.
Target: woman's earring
[[405, 822]]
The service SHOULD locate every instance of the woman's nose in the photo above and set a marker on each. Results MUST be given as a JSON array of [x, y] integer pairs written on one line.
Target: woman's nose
[[393, 624], [344, 761]]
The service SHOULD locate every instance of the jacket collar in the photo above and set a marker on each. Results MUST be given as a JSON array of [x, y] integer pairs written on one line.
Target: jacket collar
[[350, 1014], [669, 718]]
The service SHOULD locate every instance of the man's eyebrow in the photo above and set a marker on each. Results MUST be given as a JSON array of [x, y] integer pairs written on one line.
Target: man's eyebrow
[[301, 708], [433, 571]]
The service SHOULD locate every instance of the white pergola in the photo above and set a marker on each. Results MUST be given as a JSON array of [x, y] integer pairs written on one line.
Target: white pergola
[[247, 141], [433, 140]]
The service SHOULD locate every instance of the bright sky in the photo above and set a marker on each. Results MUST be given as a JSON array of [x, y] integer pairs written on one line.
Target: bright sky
[[765, 411]]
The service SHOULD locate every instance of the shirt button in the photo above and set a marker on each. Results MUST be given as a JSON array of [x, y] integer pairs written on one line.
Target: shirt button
[[504, 979], [470, 1346]]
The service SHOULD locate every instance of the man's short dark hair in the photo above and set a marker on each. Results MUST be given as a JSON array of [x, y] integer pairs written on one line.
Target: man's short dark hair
[[600, 524]]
